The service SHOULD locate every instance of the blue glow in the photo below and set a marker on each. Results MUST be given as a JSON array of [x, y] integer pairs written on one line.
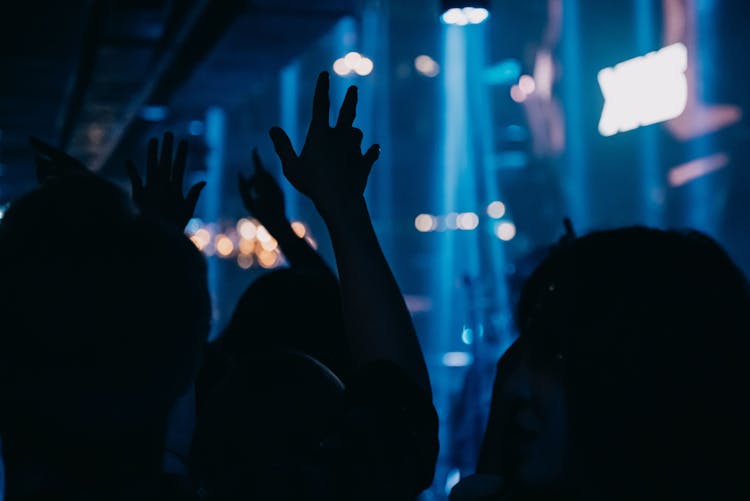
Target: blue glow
[[467, 336], [651, 178], [212, 194], [702, 212], [574, 186], [154, 113], [289, 99], [457, 359], [195, 128], [503, 73]]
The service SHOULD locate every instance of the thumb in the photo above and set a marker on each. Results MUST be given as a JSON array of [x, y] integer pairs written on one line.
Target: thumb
[[283, 145]]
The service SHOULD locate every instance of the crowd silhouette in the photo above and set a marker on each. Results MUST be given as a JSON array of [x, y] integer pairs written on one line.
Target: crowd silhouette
[[627, 381]]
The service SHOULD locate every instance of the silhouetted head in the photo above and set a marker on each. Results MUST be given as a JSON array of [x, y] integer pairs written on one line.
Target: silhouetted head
[[294, 310], [633, 345], [260, 433], [104, 318]]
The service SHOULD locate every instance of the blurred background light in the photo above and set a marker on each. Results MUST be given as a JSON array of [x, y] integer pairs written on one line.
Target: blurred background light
[[496, 209], [426, 66], [505, 231], [462, 13]]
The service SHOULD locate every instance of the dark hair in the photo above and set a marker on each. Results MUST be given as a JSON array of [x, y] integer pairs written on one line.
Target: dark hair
[[651, 329], [294, 310]]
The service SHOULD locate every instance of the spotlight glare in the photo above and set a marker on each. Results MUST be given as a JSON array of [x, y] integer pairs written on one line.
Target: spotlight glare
[[476, 15], [505, 231], [247, 229], [352, 60], [467, 221], [263, 235], [517, 94], [452, 16], [427, 66], [425, 222], [496, 210], [224, 245], [364, 67], [340, 67], [527, 84], [299, 229], [245, 261], [464, 16], [644, 90], [457, 359]]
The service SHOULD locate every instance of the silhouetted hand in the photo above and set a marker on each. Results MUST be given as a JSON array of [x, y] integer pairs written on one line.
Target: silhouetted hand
[[53, 162], [262, 195], [162, 194], [331, 167]]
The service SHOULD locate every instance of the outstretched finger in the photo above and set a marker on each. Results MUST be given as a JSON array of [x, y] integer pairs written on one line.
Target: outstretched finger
[[165, 161], [283, 145], [136, 184], [348, 110], [370, 157], [180, 164], [321, 102], [258, 163]]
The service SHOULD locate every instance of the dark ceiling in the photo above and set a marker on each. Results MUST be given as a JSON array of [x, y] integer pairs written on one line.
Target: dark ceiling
[[79, 74]]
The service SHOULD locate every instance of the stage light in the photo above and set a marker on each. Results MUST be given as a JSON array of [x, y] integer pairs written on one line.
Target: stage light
[[247, 246], [467, 335], [245, 261], [517, 94], [644, 90], [353, 62], [457, 359], [262, 235], [496, 210], [299, 229], [364, 67], [340, 67], [527, 84], [425, 222], [201, 238], [224, 245], [505, 231], [467, 221], [270, 244], [154, 113], [268, 259], [463, 12], [426, 66], [247, 229]]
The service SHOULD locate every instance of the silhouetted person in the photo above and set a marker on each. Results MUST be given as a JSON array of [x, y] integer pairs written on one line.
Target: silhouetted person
[[290, 309], [105, 316], [632, 376]]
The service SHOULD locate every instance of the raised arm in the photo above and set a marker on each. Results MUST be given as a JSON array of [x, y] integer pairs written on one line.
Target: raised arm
[[332, 171], [161, 196], [264, 199]]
